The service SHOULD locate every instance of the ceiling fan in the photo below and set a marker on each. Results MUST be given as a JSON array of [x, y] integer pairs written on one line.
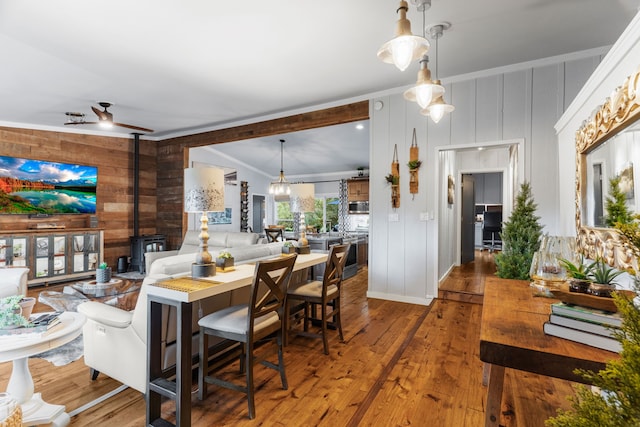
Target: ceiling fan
[[105, 118]]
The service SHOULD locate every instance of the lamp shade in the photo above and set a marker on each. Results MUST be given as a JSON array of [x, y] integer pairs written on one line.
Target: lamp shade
[[404, 47], [302, 198], [203, 190]]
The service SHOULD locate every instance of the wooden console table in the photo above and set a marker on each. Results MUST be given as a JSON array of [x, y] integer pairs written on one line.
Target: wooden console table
[[181, 294], [511, 336]]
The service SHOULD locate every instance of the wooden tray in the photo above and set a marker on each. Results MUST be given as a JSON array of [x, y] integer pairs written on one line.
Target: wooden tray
[[591, 301]]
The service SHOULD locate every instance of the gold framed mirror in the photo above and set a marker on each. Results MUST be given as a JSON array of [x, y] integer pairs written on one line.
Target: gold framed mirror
[[619, 112]]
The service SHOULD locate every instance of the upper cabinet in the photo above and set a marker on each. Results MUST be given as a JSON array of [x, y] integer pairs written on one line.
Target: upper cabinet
[[358, 190], [488, 188]]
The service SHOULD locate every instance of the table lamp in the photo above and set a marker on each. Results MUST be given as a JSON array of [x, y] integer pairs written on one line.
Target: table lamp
[[302, 200], [203, 192]]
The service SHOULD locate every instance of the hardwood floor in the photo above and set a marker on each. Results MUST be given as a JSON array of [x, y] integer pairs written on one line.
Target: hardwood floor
[[400, 364]]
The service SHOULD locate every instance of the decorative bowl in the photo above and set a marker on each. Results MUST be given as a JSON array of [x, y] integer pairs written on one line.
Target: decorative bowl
[[591, 301]]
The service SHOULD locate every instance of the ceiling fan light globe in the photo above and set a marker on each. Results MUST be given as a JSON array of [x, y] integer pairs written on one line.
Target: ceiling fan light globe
[[105, 124]]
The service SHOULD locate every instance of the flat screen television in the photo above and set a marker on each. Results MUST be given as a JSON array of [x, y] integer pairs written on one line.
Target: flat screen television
[[42, 187]]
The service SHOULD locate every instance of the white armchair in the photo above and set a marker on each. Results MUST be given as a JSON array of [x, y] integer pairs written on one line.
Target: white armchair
[[115, 340], [13, 281]]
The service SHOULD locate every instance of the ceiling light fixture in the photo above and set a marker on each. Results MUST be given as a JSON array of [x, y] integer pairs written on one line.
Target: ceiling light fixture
[[280, 187], [404, 47], [425, 89], [438, 107], [74, 117]]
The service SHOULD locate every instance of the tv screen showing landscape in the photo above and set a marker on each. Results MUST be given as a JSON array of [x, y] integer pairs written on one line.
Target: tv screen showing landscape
[[42, 187]]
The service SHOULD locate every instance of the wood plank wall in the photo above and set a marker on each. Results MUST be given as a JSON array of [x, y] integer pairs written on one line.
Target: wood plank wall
[[161, 171], [173, 156], [115, 161]]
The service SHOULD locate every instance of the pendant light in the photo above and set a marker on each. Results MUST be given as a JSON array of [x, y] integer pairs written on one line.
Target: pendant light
[[438, 107], [404, 47], [281, 186], [425, 89]]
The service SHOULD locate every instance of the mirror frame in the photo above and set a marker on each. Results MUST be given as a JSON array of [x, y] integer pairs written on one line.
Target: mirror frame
[[619, 111]]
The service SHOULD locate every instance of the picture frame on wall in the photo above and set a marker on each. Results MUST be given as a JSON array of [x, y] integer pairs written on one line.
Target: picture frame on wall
[[450, 189], [220, 217], [626, 181]]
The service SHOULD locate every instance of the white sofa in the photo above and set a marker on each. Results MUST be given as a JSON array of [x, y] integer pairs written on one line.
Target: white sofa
[[115, 340]]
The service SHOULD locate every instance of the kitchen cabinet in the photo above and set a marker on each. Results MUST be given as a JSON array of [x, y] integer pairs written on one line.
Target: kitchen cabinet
[[478, 236], [53, 255], [488, 188], [358, 190], [363, 251]]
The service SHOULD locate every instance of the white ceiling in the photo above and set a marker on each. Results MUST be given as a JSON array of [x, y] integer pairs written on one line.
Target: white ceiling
[[182, 67]]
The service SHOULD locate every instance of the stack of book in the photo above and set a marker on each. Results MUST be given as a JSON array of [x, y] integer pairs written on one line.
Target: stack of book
[[39, 324], [585, 325]]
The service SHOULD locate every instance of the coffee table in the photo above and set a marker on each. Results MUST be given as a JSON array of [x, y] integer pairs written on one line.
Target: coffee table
[[18, 349], [120, 293]]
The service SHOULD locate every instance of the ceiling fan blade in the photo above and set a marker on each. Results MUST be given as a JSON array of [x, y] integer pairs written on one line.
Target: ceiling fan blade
[[81, 123], [133, 127], [102, 115]]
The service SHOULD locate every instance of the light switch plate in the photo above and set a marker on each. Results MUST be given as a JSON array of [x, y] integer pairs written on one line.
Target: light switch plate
[[393, 218], [424, 216]]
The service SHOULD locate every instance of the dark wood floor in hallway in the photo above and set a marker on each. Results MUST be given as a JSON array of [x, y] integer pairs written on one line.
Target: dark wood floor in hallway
[[400, 365]]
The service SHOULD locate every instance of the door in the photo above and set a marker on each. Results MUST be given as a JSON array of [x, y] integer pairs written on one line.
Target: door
[[258, 213], [468, 220]]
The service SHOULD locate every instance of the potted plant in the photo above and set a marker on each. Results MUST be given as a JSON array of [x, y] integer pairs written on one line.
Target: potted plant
[[288, 248], [579, 280], [414, 164], [392, 179], [11, 312], [103, 273], [603, 278], [224, 260]]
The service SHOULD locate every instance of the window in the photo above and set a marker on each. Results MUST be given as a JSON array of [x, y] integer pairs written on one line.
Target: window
[[322, 219]]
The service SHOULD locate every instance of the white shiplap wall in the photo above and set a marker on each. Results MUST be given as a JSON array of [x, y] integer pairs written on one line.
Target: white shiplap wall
[[520, 103]]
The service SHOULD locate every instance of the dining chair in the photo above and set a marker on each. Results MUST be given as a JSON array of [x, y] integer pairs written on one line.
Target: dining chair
[[325, 294], [260, 320], [274, 234]]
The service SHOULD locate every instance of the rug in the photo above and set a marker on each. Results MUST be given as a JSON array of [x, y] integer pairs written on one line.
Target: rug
[[63, 355]]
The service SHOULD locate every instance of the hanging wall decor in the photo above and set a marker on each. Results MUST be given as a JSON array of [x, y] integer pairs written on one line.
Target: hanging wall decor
[[414, 165], [450, 190], [394, 179]]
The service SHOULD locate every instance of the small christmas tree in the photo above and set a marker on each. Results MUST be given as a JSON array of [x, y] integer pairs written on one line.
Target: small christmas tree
[[520, 238], [616, 205]]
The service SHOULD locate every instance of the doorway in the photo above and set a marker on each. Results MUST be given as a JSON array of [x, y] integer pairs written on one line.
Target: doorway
[[501, 158]]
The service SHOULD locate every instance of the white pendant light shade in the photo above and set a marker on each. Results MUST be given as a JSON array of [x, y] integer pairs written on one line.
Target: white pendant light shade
[[404, 47], [437, 109], [203, 190], [425, 89], [303, 198]]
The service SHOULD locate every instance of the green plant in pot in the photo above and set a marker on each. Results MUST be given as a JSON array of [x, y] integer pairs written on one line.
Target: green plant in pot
[[603, 278], [103, 273], [224, 260], [414, 164], [11, 312], [578, 274], [392, 179], [288, 248]]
